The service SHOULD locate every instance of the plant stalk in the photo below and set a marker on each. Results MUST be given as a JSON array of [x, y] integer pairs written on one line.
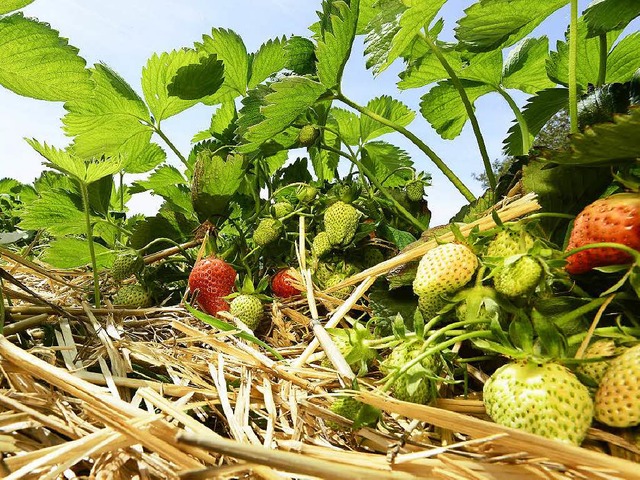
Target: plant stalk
[[156, 128], [522, 122], [455, 80], [604, 52], [453, 178], [573, 68], [92, 252]]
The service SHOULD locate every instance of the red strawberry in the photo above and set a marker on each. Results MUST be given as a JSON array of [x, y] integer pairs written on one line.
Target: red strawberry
[[281, 284], [612, 219], [213, 278]]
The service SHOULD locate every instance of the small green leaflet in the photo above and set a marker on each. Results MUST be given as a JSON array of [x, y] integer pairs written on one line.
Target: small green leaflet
[[268, 60], [168, 182], [604, 143], [603, 16], [348, 125], [288, 98], [57, 211], [338, 23], [148, 157], [493, 24], [388, 108], [72, 252], [443, 107], [228, 47], [427, 69], [381, 31], [112, 120], [36, 62], [157, 74], [86, 171], [199, 80], [524, 67], [384, 160], [300, 56], [222, 121], [8, 6]]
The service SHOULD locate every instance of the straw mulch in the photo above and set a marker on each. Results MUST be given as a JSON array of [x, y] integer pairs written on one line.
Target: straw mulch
[[155, 393]]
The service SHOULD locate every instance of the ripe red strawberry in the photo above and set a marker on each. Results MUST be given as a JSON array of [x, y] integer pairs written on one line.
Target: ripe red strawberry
[[213, 278], [281, 284], [612, 219]]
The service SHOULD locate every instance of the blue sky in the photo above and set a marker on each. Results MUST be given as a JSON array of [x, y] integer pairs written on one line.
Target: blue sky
[[124, 34]]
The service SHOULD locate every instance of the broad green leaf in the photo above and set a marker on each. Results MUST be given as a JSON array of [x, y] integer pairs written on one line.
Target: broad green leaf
[[36, 62], [8, 6], [229, 47], [300, 55], [428, 69], [219, 179], [389, 109], [537, 112], [168, 183], [100, 195], [381, 31], [384, 159], [110, 121], [287, 99], [623, 61], [485, 67], [87, 171], [524, 68], [222, 122], [348, 125], [158, 74], [338, 23], [367, 12], [418, 15], [603, 16], [588, 58], [268, 60], [325, 163], [277, 161], [604, 143], [198, 81], [57, 211], [444, 109], [489, 24], [146, 159], [73, 252]]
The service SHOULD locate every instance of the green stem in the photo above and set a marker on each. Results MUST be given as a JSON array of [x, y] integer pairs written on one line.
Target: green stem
[[573, 67], [619, 246], [173, 148], [522, 122], [633, 333], [580, 311], [92, 252], [453, 178], [604, 52], [372, 178], [455, 80]]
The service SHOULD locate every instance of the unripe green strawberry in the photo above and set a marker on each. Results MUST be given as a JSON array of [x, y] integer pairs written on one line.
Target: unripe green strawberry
[[372, 257], [417, 385], [519, 278], [340, 223], [306, 193], [604, 347], [320, 246], [544, 399], [444, 269], [618, 397], [308, 135], [247, 308], [354, 410], [430, 305], [336, 278], [322, 273], [352, 346], [509, 242], [132, 296], [415, 190], [268, 230], [127, 264], [281, 209]]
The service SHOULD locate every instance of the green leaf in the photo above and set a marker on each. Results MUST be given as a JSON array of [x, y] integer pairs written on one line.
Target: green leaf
[[112, 120], [493, 24], [158, 73], [588, 58], [400, 238], [418, 15], [147, 159], [168, 183], [217, 180], [537, 112], [622, 62], [388, 108], [383, 159], [287, 99], [348, 125], [36, 62], [58, 212], [8, 6], [605, 15], [87, 171], [73, 252], [198, 81], [524, 68], [228, 46], [428, 69], [222, 123], [604, 143], [100, 195], [551, 339], [444, 109], [300, 56], [382, 30], [338, 23], [268, 60], [325, 163], [485, 67]]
